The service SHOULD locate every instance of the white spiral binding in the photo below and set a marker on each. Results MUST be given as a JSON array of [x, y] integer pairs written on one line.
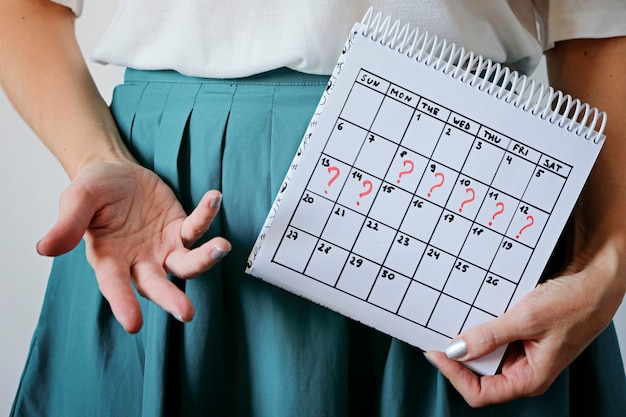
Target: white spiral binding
[[484, 74]]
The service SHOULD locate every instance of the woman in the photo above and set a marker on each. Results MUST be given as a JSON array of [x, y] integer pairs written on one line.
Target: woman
[[252, 349]]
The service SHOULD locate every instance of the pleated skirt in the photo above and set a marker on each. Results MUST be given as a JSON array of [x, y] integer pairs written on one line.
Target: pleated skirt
[[252, 349]]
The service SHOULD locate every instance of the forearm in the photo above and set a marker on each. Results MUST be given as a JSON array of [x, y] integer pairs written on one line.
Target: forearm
[[43, 73], [593, 70]]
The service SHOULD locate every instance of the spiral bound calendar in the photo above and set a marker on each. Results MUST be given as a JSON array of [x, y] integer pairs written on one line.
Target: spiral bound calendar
[[430, 189]]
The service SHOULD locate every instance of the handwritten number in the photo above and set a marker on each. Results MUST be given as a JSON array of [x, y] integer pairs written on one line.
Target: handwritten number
[[403, 240], [372, 225], [357, 262], [387, 274], [493, 281], [324, 248], [463, 267]]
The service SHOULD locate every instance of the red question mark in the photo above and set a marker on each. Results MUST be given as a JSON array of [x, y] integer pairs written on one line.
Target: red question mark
[[334, 177], [440, 175], [367, 184], [531, 220], [469, 200], [408, 171], [497, 213]]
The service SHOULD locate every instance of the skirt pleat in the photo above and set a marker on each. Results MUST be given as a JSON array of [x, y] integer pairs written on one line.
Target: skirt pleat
[[252, 349]]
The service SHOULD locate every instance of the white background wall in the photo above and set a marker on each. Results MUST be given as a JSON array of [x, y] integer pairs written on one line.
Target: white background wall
[[30, 182]]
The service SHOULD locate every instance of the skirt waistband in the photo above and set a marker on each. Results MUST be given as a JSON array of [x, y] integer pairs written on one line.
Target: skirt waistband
[[281, 76]]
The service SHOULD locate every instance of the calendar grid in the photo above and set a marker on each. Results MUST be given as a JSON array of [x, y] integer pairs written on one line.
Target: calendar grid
[[426, 224]]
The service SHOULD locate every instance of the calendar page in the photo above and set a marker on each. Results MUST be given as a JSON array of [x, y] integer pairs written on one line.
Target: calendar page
[[422, 205]]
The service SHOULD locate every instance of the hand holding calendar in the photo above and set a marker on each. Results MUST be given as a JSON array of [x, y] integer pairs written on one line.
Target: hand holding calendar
[[562, 316], [428, 199]]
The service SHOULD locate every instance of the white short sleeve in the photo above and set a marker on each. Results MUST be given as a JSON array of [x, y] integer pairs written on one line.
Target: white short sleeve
[[75, 5], [573, 19]]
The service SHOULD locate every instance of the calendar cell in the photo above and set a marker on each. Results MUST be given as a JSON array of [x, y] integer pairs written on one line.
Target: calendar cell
[[375, 155], [362, 105], [463, 124], [511, 260], [529, 154], [345, 141], [480, 246], [433, 109], [389, 289], [372, 81], [342, 227], [406, 170], [421, 219], [392, 119], [390, 205], [452, 148], [466, 197], [374, 241], [513, 175], [544, 189], [328, 178], [483, 161], [405, 254], [422, 134], [326, 263], [448, 316], [497, 211], [464, 281], [359, 191], [477, 317], [418, 303], [311, 213], [527, 224], [437, 183], [495, 294], [358, 276], [295, 249], [434, 268], [451, 232]]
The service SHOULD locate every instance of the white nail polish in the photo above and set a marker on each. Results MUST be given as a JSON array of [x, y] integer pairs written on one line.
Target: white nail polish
[[216, 202], [457, 349], [218, 253], [178, 317]]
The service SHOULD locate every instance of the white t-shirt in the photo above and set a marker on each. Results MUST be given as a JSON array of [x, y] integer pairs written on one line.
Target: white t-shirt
[[237, 38]]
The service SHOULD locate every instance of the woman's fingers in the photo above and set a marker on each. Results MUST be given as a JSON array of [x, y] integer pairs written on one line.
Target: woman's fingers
[[198, 222], [152, 283], [488, 337], [519, 380], [187, 264], [114, 282], [75, 214]]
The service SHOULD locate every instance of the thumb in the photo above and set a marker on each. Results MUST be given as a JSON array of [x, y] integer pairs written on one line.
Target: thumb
[[75, 213], [484, 339]]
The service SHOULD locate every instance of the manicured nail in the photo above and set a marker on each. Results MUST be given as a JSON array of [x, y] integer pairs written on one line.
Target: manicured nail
[[218, 253], [429, 359], [457, 349], [178, 317], [216, 202]]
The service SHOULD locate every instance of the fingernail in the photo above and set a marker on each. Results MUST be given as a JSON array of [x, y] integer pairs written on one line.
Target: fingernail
[[216, 202], [178, 317], [429, 359], [218, 253], [37, 248], [457, 349]]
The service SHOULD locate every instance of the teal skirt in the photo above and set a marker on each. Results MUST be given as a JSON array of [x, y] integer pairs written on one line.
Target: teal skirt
[[252, 349]]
